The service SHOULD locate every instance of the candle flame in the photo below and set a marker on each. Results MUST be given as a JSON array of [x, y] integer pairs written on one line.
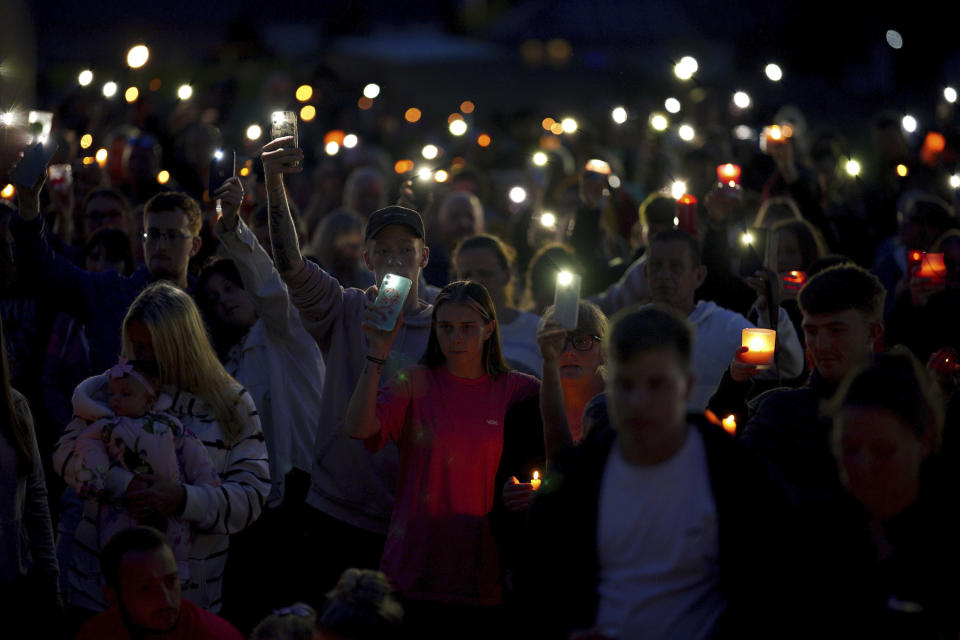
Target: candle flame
[[730, 424], [536, 475]]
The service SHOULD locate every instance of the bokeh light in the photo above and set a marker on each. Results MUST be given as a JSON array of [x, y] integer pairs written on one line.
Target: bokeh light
[[458, 127], [672, 105], [909, 123], [403, 166], [254, 132], [430, 151], [110, 89], [331, 148], [131, 94], [101, 156], [85, 77], [412, 115], [619, 115], [540, 158], [371, 91], [483, 140], [304, 92], [185, 92], [467, 107], [774, 72], [894, 39], [659, 121], [163, 177], [441, 175], [686, 132], [138, 56], [350, 140], [517, 194], [852, 167], [364, 103], [308, 113], [546, 123], [86, 140], [741, 99], [950, 94], [569, 125], [8, 192]]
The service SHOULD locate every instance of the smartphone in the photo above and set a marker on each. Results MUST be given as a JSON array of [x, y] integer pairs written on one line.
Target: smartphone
[[757, 251], [393, 293], [223, 165], [285, 124], [33, 163], [566, 300]]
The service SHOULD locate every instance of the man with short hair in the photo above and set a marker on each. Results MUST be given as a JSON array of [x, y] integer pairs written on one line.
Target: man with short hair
[[143, 591], [460, 216], [842, 311], [100, 300], [352, 491], [668, 524], [674, 272]]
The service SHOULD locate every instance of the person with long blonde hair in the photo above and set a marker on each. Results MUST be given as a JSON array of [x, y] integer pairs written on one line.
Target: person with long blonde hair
[[163, 326]]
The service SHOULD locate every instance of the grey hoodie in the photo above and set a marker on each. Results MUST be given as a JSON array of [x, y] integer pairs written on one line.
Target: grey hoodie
[[347, 482]]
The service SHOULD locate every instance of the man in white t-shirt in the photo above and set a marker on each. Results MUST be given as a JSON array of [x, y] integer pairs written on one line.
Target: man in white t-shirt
[[667, 524]]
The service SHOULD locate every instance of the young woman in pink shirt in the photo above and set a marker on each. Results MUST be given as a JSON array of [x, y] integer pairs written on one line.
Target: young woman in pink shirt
[[446, 417]]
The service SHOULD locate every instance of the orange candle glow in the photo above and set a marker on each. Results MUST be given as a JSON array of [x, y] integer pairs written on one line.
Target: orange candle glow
[[794, 280], [760, 344], [687, 214], [535, 481], [728, 174], [932, 267], [730, 424]]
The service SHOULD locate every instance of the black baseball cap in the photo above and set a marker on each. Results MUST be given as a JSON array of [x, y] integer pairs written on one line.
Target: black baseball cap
[[382, 218]]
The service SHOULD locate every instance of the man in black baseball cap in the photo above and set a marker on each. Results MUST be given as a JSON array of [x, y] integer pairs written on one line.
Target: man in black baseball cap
[[382, 218]]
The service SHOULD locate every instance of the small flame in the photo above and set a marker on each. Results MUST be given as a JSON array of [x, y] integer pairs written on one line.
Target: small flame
[[730, 424]]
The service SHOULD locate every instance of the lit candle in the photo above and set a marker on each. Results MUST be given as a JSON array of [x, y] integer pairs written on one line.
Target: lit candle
[[728, 174], [914, 258], [535, 481], [794, 280], [730, 424], [687, 214], [932, 267], [760, 345]]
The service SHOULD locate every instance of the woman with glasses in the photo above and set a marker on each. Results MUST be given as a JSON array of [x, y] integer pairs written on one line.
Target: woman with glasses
[[572, 374], [446, 416]]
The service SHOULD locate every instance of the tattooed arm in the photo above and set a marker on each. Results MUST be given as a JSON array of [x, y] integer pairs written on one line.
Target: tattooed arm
[[283, 235]]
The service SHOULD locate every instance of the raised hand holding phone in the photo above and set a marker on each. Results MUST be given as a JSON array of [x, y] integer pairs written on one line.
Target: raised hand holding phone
[[382, 317]]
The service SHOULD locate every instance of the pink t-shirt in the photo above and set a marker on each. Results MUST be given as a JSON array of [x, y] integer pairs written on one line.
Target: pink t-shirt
[[450, 434]]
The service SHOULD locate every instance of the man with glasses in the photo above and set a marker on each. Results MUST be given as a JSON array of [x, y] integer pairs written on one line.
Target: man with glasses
[[100, 300]]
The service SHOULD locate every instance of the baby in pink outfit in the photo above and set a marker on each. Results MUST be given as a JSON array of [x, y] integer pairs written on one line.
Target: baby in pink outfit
[[136, 435]]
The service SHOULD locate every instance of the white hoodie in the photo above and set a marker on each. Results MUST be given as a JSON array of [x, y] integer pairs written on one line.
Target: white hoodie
[[718, 336]]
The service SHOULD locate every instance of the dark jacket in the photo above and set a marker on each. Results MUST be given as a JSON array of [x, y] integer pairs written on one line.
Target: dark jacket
[[787, 430], [562, 574], [97, 300]]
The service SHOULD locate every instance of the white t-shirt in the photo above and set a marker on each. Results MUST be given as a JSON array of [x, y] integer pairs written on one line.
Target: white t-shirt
[[519, 342], [658, 547]]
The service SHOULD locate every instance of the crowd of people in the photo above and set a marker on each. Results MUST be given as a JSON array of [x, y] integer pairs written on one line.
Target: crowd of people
[[218, 421]]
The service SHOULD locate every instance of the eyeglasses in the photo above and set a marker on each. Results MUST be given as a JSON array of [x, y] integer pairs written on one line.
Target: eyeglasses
[[155, 235], [581, 341]]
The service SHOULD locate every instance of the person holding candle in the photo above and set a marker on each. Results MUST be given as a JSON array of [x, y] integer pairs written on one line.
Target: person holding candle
[[842, 309], [924, 317], [668, 524], [446, 417], [674, 272]]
